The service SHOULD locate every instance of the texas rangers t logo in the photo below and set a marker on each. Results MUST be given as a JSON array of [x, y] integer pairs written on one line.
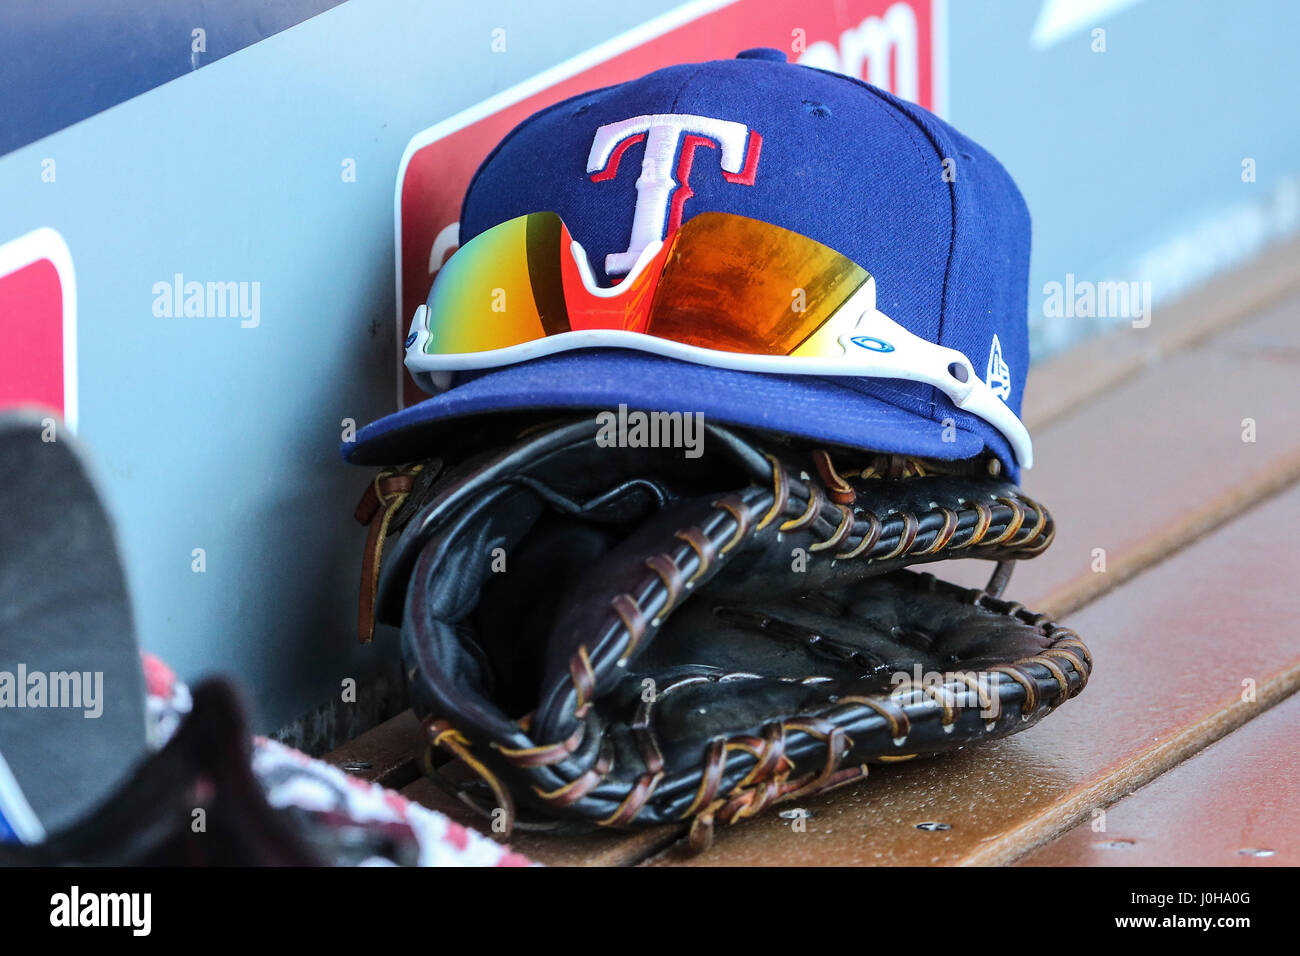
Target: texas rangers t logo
[[661, 189]]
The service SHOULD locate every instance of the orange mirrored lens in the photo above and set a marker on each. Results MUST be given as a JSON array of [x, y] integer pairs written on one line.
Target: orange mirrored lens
[[740, 285], [722, 282]]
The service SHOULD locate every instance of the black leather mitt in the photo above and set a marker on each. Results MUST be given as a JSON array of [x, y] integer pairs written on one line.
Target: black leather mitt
[[631, 636]]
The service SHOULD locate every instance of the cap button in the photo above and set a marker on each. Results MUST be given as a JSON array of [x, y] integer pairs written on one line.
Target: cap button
[[762, 53]]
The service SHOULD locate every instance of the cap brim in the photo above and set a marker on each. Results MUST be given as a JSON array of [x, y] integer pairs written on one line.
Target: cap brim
[[813, 408]]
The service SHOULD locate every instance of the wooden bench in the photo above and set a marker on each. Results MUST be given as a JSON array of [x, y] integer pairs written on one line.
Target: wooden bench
[[1182, 749]]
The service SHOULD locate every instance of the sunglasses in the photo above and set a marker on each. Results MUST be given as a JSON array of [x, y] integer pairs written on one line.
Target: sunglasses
[[724, 291]]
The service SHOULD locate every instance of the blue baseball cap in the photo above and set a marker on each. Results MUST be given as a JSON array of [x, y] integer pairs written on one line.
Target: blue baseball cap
[[931, 215]]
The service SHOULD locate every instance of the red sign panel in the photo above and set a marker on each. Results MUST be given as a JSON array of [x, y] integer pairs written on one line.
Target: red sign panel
[[38, 317], [895, 44]]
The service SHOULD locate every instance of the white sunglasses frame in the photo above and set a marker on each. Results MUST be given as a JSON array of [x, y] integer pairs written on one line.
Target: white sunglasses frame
[[875, 346]]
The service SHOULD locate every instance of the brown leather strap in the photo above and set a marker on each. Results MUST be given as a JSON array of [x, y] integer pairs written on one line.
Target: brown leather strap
[[839, 490], [388, 491]]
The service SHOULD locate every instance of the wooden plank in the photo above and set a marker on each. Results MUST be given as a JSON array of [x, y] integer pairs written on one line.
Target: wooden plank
[[1234, 804], [384, 754], [1095, 366], [1172, 647], [1153, 464]]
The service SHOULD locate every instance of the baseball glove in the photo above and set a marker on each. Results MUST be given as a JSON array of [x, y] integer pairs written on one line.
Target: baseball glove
[[632, 636]]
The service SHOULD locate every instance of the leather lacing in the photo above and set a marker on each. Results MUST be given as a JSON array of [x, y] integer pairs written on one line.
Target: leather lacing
[[377, 509], [857, 534]]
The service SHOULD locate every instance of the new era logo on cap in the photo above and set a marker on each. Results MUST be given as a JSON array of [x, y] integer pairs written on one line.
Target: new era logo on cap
[[998, 376]]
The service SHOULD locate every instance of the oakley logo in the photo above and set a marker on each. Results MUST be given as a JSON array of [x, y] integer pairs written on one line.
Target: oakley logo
[[664, 184], [998, 376], [869, 342]]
